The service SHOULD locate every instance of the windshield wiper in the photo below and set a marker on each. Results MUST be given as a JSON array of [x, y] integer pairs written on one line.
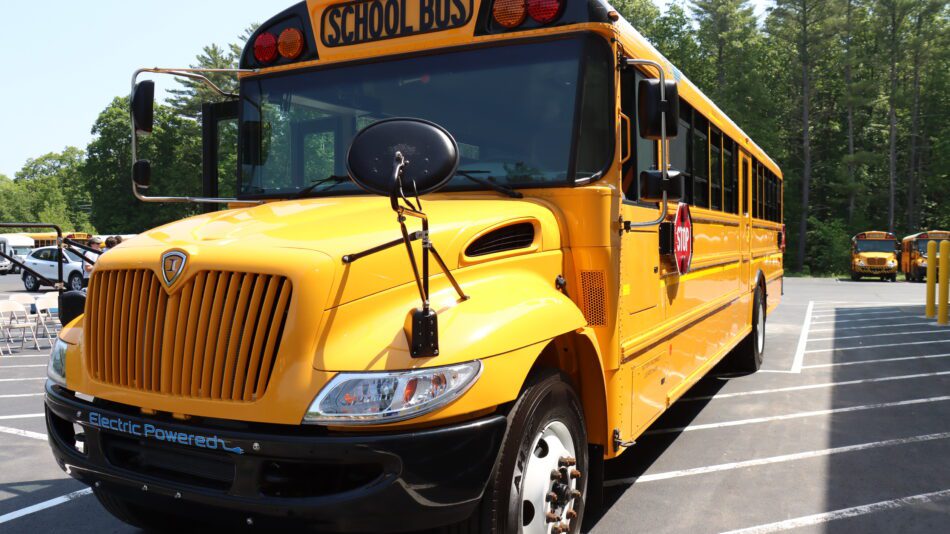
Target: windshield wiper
[[332, 178], [503, 189]]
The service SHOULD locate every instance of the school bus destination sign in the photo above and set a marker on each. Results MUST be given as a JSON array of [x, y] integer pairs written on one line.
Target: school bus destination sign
[[374, 20]]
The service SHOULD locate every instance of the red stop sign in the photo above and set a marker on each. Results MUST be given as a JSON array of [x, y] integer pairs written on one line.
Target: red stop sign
[[683, 238]]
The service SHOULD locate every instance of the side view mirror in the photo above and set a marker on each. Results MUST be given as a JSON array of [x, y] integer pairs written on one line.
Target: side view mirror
[[651, 105], [142, 173], [653, 185], [71, 305], [431, 156], [143, 98]]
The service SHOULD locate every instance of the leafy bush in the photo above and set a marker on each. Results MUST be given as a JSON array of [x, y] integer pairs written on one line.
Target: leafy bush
[[829, 247]]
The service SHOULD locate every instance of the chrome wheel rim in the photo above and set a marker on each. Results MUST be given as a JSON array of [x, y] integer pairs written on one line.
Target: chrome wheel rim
[[549, 484], [760, 329]]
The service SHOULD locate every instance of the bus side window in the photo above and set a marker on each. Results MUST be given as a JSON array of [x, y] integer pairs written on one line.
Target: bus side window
[[729, 183], [715, 169], [643, 151], [700, 161], [680, 150]]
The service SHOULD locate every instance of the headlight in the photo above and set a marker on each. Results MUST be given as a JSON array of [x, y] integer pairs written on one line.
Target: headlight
[[860, 263], [373, 398], [892, 263], [56, 369]]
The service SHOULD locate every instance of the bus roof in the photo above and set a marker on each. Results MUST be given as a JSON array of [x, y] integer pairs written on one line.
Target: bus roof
[[578, 15], [929, 234], [874, 234]]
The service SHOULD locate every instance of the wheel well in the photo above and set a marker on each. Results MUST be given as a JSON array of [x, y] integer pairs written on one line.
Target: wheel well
[[576, 356]]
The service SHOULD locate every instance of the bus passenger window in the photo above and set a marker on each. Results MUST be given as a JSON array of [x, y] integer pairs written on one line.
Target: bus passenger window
[[700, 162], [729, 183], [680, 150], [715, 169]]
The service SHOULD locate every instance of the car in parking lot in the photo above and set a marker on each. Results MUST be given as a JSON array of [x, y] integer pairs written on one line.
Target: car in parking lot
[[43, 261]]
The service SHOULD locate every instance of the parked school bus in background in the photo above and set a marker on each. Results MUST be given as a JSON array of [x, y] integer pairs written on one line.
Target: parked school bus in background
[[874, 254], [253, 365], [914, 253]]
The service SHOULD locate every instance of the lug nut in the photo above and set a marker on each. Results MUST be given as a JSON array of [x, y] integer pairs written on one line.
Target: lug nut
[[552, 497], [575, 494], [567, 461], [570, 515], [551, 517], [575, 473], [561, 527], [556, 475]]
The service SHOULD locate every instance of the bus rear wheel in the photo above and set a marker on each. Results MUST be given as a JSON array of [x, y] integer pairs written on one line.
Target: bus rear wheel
[[540, 480], [748, 356]]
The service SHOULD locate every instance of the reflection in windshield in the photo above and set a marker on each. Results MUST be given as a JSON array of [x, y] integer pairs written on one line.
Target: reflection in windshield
[[876, 245], [510, 108]]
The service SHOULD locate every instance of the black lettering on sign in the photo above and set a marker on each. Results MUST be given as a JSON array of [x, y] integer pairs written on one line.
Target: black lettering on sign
[[375, 20]]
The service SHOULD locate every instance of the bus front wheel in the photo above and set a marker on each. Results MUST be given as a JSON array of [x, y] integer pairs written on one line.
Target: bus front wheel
[[749, 354], [540, 478]]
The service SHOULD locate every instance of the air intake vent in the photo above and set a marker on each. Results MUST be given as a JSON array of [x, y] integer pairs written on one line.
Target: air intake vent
[[511, 237], [594, 297]]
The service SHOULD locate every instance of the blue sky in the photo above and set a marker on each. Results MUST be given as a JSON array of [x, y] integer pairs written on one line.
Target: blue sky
[[64, 61]]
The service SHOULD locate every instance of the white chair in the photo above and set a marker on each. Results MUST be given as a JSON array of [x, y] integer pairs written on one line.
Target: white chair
[[47, 315], [14, 317]]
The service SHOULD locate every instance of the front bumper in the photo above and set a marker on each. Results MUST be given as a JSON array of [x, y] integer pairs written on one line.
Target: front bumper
[[276, 475], [874, 269]]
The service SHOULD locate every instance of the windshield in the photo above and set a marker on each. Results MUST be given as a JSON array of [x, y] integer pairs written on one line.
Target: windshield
[[876, 245], [511, 108], [21, 251], [922, 246]]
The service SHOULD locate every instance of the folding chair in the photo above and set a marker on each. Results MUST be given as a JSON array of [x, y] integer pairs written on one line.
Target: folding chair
[[14, 317], [47, 315]]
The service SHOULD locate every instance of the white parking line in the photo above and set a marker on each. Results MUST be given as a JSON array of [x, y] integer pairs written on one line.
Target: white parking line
[[919, 323], [881, 360], [21, 379], [13, 396], [21, 366], [21, 432], [796, 415], [802, 340], [864, 347], [883, 334], [844, 513], [858, 314], [44, 505], [842, 321], [22, 416], [43, 355], [775, 459], [814, 386]]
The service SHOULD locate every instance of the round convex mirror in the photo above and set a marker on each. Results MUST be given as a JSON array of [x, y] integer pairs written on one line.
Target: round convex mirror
[[431, 155]]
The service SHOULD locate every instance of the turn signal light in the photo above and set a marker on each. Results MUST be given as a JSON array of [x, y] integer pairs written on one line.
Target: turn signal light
[[509, 13], [265, 47], [544, 11], [290, 43]]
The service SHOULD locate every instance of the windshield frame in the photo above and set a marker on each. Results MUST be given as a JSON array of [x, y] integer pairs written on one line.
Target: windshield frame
[[592, 39]]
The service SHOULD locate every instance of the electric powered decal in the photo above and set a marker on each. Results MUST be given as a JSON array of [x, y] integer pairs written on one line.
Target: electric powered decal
[[151, 431]]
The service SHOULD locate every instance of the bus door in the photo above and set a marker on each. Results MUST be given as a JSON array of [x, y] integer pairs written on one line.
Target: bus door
[[745, 219], [640, 304]]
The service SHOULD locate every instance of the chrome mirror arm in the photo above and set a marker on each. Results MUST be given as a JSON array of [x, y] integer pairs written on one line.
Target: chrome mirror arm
[[193, 74]]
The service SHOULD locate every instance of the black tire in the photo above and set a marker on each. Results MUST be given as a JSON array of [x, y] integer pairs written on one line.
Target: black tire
[[547, 399], [894, 277], [138, 516], [30, 282], [749, 354], [855, 277], [75, 282]]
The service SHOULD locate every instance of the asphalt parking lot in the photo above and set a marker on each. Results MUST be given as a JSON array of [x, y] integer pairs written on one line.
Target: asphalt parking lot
[[845, 429]]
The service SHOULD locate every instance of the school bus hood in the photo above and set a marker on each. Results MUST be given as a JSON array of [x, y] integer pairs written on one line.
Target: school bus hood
[[333, 227]]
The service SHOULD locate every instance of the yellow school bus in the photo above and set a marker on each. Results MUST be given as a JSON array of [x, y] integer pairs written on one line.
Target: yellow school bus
[[454, 280], [48, 239], [874, 254], [914, 253]]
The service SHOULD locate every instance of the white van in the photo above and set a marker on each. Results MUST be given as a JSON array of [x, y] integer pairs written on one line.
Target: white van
[[15, 245]]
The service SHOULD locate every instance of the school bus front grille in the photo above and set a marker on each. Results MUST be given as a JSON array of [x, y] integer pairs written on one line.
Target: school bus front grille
[[215, 338], [876, 262]]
